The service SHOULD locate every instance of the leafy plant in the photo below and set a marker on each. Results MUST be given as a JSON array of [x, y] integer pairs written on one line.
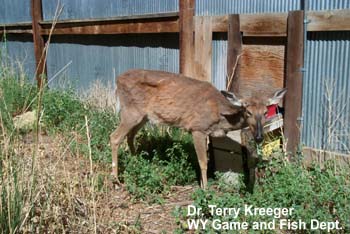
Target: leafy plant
[[314, 193], [15, 98], [62, 111], [148, 178]]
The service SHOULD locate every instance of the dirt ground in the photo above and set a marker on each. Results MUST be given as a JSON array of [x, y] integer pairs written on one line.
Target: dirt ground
[[77, 196]]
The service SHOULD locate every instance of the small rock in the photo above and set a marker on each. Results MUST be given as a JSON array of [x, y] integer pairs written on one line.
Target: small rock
[[231, 178], [25, 121]]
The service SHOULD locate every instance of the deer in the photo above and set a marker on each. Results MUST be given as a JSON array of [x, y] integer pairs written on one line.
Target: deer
[[190, 104]]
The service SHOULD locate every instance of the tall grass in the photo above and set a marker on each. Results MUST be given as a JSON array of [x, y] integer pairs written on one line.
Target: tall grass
[[13, 192]]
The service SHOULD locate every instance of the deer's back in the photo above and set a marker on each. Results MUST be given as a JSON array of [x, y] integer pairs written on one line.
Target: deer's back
[[172, 99]]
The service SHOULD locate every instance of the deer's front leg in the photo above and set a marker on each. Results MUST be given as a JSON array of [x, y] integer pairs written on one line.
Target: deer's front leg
[[200, 144]]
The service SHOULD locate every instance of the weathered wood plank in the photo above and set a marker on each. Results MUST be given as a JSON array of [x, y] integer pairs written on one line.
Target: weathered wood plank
[[293, 98], [267, 24], [264, 25], [333, 20], [143, 17], [15, 31], [275, 24], [255, 24], [203, 49], [163, 25], [320, 157], [186, 38], [262, 69], [38, 41], [234, 50]]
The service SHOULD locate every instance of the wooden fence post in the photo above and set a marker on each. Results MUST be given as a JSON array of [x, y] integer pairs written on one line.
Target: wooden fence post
[[294, 84], [203, 48], [186, 28], [39, 43], [234, 50]]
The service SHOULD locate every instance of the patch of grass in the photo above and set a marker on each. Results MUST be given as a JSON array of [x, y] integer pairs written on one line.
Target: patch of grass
[[12, 194], [62, 111], [314, 193], [15, 97], [147, 178]]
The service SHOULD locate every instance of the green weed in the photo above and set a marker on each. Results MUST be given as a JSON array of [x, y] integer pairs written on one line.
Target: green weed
[[312, 193]]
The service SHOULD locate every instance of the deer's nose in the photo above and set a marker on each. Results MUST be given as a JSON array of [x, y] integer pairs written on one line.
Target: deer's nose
[[259, 139]]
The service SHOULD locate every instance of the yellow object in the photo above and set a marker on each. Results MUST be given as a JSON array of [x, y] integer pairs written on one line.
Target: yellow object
[[270, 147]]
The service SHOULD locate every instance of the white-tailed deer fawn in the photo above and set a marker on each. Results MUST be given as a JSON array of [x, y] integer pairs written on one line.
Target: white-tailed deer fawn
[[193, 105]]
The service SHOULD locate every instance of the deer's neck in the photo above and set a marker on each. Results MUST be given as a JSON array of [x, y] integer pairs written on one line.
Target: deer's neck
[[236, 121], [228, 123]]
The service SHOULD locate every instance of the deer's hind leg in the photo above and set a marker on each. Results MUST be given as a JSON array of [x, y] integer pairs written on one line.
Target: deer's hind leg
[[131, 136], [200, 145], [129, 120]]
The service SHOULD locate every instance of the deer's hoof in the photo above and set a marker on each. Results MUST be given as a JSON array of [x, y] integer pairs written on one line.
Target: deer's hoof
[[115, 181]]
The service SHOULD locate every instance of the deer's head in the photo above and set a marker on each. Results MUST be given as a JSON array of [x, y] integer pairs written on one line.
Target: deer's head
[[254, 110]]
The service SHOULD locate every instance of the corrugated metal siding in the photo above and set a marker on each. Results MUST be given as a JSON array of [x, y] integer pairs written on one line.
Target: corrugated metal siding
[[84, 9], [315, 5], [18, 51], [219, 61], [14, 11], [112, 56], [326, 88], [221, 7]]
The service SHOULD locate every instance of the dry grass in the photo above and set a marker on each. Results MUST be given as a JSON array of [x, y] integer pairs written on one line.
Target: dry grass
[[73, 195], [68, 200], [100, 95]]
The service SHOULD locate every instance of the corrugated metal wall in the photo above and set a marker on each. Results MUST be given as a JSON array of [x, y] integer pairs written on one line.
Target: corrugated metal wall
[[102, 57], [315, 5], [219, 71], [84, 9], [18, 51], [221, 7], [326, 100], [14, 11]]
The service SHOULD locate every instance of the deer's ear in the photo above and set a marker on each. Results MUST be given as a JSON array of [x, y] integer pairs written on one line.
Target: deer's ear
[[277, 96], [232, 98]]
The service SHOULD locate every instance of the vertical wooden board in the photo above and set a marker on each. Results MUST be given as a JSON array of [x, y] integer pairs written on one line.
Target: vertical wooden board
[[295, 59], [186, 38], [234, 50], [262, 69], [38, 41], [203, 48]]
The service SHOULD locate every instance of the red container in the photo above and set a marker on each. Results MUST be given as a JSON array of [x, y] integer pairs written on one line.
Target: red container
[[271, 111]]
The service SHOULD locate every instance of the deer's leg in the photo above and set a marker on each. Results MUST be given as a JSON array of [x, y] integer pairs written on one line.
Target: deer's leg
[[117, 137], [132, 134], [200, 144]]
